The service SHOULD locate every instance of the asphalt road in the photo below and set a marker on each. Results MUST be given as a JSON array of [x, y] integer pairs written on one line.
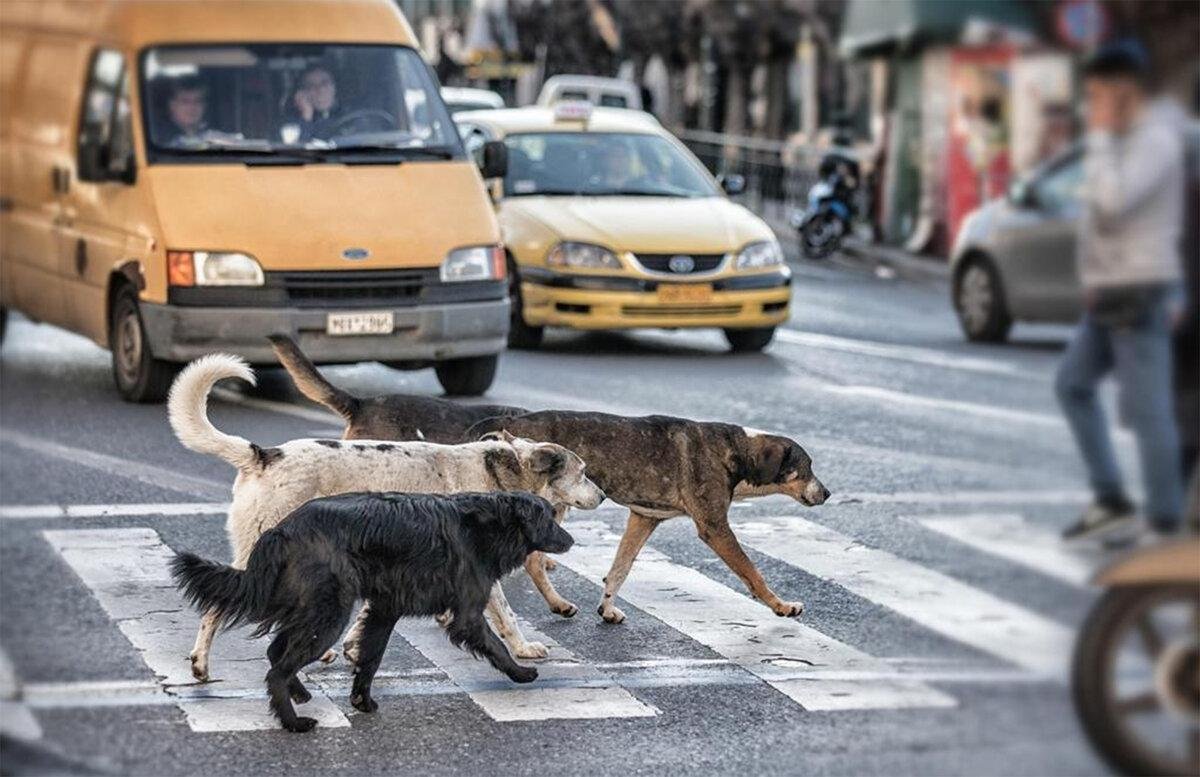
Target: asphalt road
[[939, 615]]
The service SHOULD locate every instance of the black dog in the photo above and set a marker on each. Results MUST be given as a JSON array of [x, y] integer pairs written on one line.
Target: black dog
[[409, 554]]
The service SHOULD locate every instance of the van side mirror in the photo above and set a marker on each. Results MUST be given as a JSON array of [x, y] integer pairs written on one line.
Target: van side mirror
[[732, 183], [493, 161]]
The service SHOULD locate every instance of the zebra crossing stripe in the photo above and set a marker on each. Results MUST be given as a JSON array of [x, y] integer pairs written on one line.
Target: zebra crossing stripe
[[566, 687], [126, 570], [934, 600], [1012, 538], [814, 670]]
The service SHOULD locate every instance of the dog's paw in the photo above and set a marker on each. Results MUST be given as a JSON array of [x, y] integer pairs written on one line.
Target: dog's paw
[[789, 609], [531, 650], [350, 651], [549, 564], [565, 609], [523, 674], [199, 668], [612, 615], [364, 703], [301, 725], [445, 619], [329, 656], [300, 695]]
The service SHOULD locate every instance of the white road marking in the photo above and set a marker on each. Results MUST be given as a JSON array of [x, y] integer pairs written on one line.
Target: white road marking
[[126, 570], [31, 512], [1012, 538], [907, 353], [954, 407], [1051, 497], [149, 474], [812, 669], [16, 720], [930, 598], [566, 687]]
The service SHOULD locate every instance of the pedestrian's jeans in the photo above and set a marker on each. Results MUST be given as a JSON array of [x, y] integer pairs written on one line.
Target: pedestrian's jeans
[[1140, 355]]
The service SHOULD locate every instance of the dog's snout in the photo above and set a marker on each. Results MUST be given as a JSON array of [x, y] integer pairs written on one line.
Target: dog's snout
[[560, 541], [824, 494]]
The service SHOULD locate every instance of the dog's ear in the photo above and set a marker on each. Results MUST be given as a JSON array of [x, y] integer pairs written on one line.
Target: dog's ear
[[547, 459], [767, 462], [504, 467], [501, 435]]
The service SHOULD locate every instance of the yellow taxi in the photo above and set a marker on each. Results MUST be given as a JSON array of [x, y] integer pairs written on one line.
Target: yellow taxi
[[611, 223]]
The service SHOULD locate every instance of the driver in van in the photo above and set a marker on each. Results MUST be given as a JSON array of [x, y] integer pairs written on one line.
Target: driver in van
[[187, 103], [315, 103]]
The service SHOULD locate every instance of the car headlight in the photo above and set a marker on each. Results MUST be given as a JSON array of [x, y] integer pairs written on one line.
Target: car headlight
[[582, 255], [474, 263], [764, 254], [212, 268]]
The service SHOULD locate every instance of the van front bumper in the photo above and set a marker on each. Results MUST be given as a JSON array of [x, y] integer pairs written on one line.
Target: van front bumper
[[618, 302], [428, 333]]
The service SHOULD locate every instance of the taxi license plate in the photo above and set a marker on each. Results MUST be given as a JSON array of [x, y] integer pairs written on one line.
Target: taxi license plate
[[684, 292], [369, 323]]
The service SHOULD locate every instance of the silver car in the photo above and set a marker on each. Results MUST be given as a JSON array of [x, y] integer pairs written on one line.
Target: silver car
[[1014, 258]]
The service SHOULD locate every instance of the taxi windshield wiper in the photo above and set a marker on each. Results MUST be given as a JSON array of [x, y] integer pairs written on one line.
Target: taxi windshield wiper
[[635, 193]]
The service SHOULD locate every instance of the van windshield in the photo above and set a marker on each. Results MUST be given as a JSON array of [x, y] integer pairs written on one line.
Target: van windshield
[[307, 102]]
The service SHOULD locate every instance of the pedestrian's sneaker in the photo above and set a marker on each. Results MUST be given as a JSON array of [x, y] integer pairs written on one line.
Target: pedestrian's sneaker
[[1103, 518]]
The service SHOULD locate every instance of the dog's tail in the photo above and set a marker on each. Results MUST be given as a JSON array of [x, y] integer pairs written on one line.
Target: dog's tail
[[187, 409], [238, 596], [309, 381]]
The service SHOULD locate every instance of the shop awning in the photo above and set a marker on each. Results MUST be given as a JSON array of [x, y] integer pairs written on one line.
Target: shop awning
[[873, 27]]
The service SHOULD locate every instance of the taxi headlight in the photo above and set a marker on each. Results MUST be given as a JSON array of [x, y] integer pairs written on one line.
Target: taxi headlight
[[213, 268], [582, 255], [473, 263], [756, 255]]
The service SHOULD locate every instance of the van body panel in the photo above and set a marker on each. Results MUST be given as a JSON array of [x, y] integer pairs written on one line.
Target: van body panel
[[304, 218]]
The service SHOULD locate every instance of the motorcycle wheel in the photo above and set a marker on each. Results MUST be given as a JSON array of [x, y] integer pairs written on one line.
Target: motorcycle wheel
[[820, 236], [1153, 729]]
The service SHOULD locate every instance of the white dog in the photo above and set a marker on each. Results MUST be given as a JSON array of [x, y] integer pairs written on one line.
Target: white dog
[[272, 482]]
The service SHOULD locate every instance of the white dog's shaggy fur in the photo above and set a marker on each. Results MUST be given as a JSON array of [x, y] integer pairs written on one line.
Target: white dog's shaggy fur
[[272, 482]]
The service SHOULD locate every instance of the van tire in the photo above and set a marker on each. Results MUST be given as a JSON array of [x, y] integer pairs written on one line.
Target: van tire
[[749, 340], [138, 375], [520, 334], [467, 377]]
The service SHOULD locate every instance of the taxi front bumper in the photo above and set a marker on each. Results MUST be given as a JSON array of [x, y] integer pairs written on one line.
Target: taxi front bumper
[[622, 302]]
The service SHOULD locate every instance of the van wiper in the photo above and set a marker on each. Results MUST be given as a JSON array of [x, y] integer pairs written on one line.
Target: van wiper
[[252, 155], [399, 153]]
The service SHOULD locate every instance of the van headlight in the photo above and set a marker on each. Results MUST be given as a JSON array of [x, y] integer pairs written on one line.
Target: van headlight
[[473, 263], [756, 255], [212, 268], [585, 255]]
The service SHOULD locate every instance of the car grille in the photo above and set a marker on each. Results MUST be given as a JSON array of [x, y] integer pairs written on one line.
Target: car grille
[[688, 311], [662, 262], [357, 287]]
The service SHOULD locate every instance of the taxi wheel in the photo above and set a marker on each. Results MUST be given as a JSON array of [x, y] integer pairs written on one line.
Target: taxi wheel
[[749, 340], [520, 334], [467, 377], [138, 375]]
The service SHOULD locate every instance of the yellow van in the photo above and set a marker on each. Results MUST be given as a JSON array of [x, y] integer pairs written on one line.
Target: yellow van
[[611, 223], [184, 177]]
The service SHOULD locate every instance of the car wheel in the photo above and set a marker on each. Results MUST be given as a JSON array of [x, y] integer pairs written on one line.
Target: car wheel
[[3, 323], [749, 340], [979, 301], [520, 334], [138, 375], [467, 377]]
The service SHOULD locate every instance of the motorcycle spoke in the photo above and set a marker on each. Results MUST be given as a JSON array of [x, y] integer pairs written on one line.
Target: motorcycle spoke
[[1146, 701], [1151, 639]]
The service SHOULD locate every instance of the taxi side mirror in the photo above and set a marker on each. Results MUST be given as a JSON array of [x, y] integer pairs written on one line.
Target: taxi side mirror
[[732, 183], [493, 161]]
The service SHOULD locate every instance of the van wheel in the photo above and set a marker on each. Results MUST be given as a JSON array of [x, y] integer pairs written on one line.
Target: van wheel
[[138, 375], [520, 334], [749, 340], [980, 304], [467, 377]]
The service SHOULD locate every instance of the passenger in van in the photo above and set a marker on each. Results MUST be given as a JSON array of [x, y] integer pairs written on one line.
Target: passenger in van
[[187, 103], [315, 103]]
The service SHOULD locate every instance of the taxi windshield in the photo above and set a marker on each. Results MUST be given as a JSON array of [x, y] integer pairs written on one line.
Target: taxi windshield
[[601, 164], [283, 98]]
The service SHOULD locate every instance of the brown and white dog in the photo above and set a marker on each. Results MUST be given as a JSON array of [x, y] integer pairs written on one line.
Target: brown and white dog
[[272, 482], [657, 466]]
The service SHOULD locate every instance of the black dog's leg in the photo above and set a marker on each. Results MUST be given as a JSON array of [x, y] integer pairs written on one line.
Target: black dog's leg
[[473, 632], [372, 641], [302, 644], [296, 689]]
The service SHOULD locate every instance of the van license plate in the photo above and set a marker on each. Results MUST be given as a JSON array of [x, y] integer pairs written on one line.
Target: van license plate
[[684, 292], [372, 323]]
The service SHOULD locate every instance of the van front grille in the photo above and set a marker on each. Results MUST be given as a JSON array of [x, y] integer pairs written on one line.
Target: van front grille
[[357, 287]]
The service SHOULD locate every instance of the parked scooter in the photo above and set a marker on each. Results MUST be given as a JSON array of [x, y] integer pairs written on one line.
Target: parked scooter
[[831, 204], [1136, 672]]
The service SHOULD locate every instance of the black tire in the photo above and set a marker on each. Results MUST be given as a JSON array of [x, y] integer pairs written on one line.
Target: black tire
[[520, 334], [139, 377], [980, 302], [1094, 669], [468, 377], [3, 323], [811, 241], [749, 340]]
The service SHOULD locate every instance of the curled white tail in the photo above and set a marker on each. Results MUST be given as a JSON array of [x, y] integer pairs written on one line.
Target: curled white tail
[[187, 408]]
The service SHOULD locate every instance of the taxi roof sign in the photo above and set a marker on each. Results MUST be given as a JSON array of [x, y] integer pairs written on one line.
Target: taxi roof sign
[[573, 110]]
